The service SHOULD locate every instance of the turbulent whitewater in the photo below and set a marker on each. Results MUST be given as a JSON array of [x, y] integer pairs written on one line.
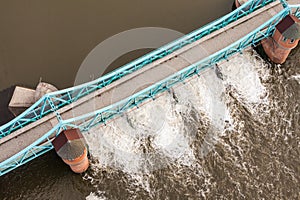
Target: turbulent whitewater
[[214, 133]]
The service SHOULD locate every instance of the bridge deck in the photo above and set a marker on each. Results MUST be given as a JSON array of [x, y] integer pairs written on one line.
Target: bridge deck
[[140, 79]]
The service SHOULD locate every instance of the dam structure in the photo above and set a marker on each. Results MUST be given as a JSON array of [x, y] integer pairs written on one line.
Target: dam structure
[[31, 133]]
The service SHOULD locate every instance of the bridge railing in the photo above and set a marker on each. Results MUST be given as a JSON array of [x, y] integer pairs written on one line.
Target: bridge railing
[[39, 147], [295, 10], [85, 122], [53, 101]]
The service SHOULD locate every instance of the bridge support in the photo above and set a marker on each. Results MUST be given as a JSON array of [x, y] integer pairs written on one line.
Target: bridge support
[[238, 3], [23, 98], [284, 39], [71, 147], [42, 89]]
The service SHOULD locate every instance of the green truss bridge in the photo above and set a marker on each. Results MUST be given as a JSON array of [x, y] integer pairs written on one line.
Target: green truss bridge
[[30, 134]]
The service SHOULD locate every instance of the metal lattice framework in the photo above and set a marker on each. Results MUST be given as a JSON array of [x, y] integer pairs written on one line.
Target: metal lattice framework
[[297, 10], [53, 101], [85, 122]]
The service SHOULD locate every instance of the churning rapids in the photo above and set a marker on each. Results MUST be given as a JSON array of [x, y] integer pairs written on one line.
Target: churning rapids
[[231, 133]]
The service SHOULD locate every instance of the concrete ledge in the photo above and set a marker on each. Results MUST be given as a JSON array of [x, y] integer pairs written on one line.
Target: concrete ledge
[[22, 97]]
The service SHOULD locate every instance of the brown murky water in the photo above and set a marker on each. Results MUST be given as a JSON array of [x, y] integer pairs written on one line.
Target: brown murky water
[[255, 157], [50, 39]]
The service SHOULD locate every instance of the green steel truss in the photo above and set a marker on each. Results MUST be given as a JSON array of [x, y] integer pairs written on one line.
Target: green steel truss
[[85, 122], [52, 102]]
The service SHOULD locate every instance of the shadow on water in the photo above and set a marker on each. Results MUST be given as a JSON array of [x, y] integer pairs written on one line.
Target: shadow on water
[[46, 177], [5, 114]]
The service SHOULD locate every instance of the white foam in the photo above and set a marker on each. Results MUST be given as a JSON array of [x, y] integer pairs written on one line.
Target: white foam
[[133, 140], [296, 77], [93, 196], [244, 73]]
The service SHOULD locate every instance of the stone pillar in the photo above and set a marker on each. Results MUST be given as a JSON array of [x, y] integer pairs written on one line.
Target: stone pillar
[[285, 38], [71, 147], [42, 89]]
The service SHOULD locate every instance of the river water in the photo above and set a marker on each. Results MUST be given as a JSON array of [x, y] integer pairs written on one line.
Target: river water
[[231, 136]]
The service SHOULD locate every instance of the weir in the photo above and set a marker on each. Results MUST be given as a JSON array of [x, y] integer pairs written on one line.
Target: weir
[[30, 135]]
